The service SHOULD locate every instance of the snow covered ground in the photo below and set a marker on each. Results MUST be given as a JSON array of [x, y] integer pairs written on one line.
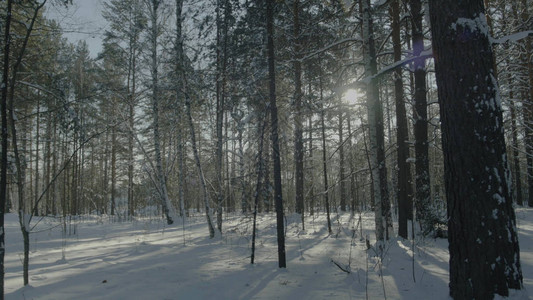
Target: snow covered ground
[[100, 258]]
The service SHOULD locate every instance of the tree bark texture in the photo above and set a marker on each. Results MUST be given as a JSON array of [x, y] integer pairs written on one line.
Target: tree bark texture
[[200, 171], [483, 242], [342, 170], [422, 180], [274, 132], [375, 127], [405, 190], [3, 160], [160, 174], [298, 126]]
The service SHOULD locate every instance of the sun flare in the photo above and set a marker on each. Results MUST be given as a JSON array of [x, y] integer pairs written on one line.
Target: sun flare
[[351, 96]]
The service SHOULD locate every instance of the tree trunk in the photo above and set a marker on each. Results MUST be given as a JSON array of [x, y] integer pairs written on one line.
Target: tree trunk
[[405, 190], [132, 82], [48, 163], [221, 55], [353, 179], [105, 179], [342, 172], [200, 171], [324, 152], [160, 175], [312, 168], [423, 189], [528, 104], [516, 153], [3, 160], [376, 127], [267, 186], [483, 242], [298, 126], [20, 169], [258, 183], [179, 104], [274, 130], [37, 160], [242, 170], [113, 166]]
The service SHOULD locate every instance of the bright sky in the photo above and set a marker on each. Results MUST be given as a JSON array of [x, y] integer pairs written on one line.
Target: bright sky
[[81, 21]]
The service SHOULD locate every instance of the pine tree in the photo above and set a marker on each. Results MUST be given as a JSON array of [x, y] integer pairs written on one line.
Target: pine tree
[[483, 241], [3, 161], [274, 131], [375, 128]]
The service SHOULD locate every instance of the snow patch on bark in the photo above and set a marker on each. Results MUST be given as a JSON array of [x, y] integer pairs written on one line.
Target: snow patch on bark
[[477, 24]]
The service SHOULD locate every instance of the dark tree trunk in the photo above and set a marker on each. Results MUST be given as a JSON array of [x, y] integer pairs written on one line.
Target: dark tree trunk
[[267, 186], [517, 178], [48, 163], [325, 169], [37, 160], [528, 132], [483, 242], [3, 160], [311, 174], [324, 152], [298, 126], [131, 120], [342, 171], [423, 190], [528, 103], [376, 130], [221, 56], [257, 194], [180, 74], [405, 190], [275, 139], [354, 203], [113, 167]]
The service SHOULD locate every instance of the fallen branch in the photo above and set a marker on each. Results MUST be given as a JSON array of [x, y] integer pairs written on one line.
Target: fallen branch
[[344, 269]]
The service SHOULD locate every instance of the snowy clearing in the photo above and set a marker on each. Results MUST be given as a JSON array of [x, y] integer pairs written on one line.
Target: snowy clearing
[[101, 259]]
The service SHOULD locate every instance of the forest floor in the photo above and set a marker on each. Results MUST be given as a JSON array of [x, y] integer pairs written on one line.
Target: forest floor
[[102, 258]]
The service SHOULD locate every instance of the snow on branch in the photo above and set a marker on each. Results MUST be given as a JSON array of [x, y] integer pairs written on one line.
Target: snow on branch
[[364, 81], [513, 37], [326, 48]]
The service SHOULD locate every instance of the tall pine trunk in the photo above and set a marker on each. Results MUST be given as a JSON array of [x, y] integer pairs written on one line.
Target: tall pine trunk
[[274, 132], [375, 127], [483, 241], [180, 73], [423, 190], [324, 152], [298, 126], [517, 178], [528, 103], [4, 134], [342, 171], [405, 190], [259, 171]]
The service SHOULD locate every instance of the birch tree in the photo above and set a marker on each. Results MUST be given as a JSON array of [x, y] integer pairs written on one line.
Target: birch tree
[[155, 30]]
